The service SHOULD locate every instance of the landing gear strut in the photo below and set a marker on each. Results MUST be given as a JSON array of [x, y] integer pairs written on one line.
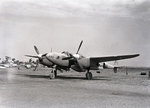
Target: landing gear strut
[[88, 75], [53, 74]]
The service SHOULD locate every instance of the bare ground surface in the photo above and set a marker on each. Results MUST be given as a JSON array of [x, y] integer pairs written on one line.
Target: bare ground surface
[[33, 89]]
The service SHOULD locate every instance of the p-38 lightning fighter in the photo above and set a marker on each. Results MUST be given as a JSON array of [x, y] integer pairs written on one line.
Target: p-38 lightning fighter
[[80, 63], [77, 62]]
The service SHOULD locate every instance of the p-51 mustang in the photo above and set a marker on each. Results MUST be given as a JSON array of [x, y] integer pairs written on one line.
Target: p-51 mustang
[[77, 62]]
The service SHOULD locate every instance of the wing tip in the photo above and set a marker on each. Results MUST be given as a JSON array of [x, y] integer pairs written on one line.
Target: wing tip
[[137, 55]]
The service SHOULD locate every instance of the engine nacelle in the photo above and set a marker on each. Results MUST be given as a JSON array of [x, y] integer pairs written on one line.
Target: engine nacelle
[[107, 66], [77, 68]]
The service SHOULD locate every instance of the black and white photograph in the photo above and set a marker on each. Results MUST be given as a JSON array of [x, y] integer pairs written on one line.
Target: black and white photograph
[[74, 54]]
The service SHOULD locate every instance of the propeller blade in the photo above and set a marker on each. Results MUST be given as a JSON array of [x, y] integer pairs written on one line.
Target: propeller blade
[[32, 56], [79, 47], [36, 50]]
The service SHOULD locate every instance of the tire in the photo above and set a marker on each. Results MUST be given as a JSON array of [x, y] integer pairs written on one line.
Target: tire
[[88, 75], [52, 75]]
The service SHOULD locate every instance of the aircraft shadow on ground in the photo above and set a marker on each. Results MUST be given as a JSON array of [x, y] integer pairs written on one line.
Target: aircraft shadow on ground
[[35, 76], [82, 78], [66, 77]]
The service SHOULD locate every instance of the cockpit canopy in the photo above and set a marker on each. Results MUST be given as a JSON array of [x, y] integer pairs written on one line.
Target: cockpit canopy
[[66, 53], [78, 56]]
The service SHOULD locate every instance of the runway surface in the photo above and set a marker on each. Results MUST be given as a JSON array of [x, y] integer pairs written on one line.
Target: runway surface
[[33, 89]]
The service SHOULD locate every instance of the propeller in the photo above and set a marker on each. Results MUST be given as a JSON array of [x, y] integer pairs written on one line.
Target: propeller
[[38, 56], [36, 50], [35, 56], [79, 47]]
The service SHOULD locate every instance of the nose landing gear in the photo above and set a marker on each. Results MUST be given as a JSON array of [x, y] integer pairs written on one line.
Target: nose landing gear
[[88, 75], [53, 74]]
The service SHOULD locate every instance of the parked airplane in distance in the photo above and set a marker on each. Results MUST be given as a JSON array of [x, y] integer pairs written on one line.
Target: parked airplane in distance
[[8, 62]]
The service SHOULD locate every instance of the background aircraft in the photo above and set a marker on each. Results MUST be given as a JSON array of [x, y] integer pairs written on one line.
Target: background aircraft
[[8, 62], [28, 65]]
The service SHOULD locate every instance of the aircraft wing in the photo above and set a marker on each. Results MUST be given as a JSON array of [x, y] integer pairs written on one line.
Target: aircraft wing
[[111, 58]]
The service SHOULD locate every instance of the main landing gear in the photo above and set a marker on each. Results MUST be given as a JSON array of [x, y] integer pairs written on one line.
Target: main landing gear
[[88, 75], [53, 74]]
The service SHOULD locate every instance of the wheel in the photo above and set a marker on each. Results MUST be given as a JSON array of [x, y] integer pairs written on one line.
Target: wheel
[[89, 75], [52, 75]]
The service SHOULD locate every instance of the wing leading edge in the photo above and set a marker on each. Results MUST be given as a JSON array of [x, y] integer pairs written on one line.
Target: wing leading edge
[[95, 60]]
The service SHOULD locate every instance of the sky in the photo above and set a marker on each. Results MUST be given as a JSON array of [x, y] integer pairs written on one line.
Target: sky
[[112, 27]]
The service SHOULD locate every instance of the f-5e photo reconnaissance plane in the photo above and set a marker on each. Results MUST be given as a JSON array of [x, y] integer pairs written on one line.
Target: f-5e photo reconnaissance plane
[[77, 62]]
